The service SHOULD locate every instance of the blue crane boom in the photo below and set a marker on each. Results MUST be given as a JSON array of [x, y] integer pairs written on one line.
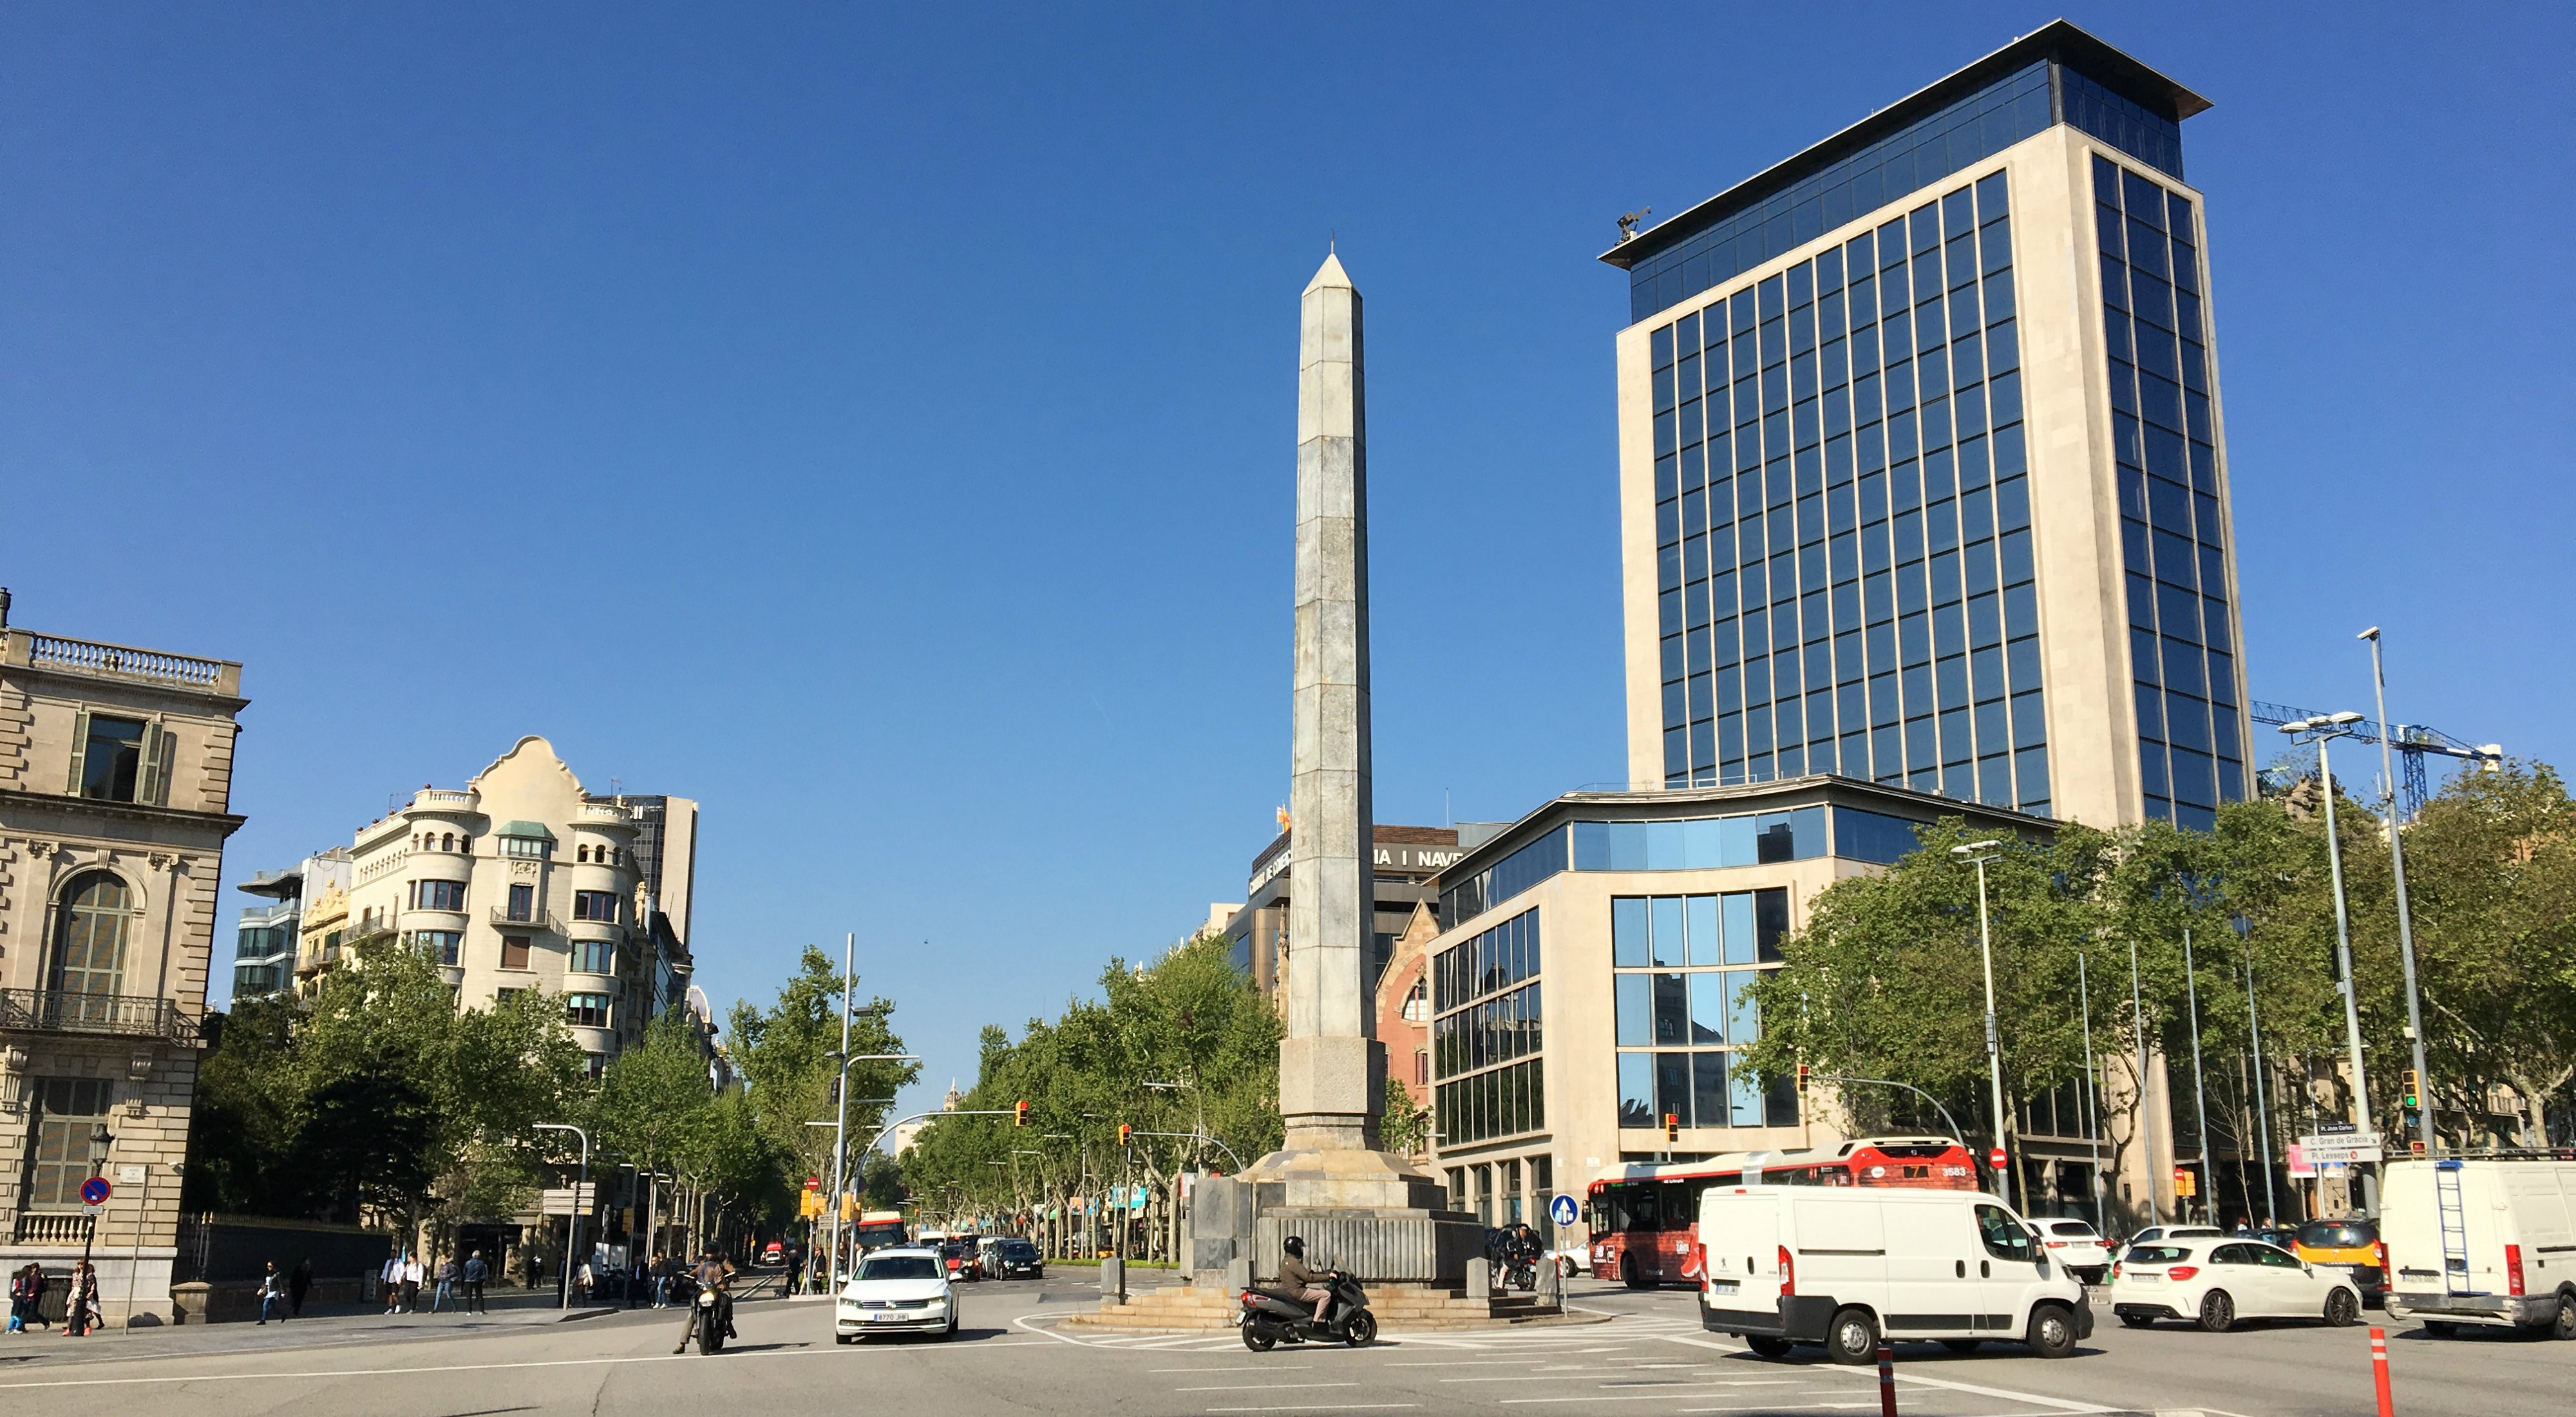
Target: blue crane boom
[[2411, 740]]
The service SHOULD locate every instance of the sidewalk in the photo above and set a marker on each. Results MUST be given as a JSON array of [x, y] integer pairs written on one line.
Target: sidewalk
[[322, 1325]]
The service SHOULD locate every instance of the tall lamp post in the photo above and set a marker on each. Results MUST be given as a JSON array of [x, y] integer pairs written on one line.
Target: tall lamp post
[[572, 1240], [1982, 852], [2322, 730], [101, 1140], [2405, 923]]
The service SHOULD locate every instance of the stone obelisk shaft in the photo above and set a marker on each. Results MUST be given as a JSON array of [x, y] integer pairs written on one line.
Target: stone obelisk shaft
[[1329, 1065]]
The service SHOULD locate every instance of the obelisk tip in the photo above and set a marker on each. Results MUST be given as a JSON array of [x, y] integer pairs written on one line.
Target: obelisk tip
[[1330, 274]]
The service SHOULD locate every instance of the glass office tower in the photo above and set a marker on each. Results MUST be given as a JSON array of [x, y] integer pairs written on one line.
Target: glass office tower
[[1922, 478]]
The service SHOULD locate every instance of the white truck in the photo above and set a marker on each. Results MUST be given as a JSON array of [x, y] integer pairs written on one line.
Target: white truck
[[1845, 1266], [2485, 1242]]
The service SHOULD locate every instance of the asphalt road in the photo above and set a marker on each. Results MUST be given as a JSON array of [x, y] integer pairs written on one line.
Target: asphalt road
[[1649, 1357]]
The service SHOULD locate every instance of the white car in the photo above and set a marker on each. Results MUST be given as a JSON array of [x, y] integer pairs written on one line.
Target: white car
[[899, 1289], [2166, 1235], [1570, 1261], [2074, 1244], [2215, 1282]]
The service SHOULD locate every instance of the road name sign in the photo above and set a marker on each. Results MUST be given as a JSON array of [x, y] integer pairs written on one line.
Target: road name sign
[[569, 1200], [2328, 1148]]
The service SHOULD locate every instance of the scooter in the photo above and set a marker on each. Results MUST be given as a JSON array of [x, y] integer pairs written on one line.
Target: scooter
[[1270, 1317]]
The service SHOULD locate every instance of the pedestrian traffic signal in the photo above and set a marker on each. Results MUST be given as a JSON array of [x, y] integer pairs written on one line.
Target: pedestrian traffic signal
[[1672, 1128], [2185, 1182], [1020, 1113]]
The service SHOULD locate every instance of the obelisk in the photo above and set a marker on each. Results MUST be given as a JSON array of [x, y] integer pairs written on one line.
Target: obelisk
[[1356, 1206], [1330, 1070]]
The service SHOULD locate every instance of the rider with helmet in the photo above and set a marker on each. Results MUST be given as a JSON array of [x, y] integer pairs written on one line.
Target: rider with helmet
[[714, 1272], [1309, 1285]]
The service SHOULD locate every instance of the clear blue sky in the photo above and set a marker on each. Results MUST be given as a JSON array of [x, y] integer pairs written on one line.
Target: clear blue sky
[[877, 422]]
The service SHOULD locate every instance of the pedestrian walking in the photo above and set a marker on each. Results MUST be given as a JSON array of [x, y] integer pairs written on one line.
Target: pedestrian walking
[[661, 1281], [80, 1309], [390, 1280], [638, 1279], [445, 1294], [474, 1273], [583, 1281], [412, 1274], [298, 1284], [26, 1296], [273, 1302]]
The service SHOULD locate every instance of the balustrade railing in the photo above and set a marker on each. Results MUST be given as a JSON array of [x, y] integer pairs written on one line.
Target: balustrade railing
[[214, 676], [60, 1011]]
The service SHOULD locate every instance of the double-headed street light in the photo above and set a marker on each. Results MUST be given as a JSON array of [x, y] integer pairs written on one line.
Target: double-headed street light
[[2405, 924], [1982, 852], [2322, 730]]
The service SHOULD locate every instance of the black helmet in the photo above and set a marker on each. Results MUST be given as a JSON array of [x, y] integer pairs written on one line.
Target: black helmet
[[1295, 1245]]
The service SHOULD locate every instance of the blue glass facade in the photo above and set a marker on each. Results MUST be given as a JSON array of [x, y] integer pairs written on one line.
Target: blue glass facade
[[1486, 1037], [1683, 968], [2172, 523], [1844, 565], [1766, 220]]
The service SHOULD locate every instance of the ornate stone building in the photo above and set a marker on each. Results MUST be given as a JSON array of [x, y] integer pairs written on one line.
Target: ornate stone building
[[523, 880], [115, 786]]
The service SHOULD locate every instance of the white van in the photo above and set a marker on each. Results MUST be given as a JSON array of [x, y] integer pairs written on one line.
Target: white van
[[1785, 1265], [2481, 1242]]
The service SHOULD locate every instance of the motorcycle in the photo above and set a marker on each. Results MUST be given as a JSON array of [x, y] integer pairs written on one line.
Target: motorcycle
[[1270, 1317], [712, 1320]]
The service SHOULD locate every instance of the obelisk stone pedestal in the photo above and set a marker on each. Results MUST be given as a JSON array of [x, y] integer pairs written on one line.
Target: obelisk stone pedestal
[[1358, 1208]]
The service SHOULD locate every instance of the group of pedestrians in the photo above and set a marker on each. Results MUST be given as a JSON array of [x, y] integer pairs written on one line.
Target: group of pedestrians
[[456, 1285], [281, 1296], [81, 1311]]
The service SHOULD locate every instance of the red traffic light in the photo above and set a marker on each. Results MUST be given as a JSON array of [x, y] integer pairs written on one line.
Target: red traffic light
[[1996, 1158], [1020, 1114], [1124, 1130]]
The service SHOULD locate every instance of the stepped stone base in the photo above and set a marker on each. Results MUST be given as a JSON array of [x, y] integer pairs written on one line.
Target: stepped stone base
[[1400, 1309]]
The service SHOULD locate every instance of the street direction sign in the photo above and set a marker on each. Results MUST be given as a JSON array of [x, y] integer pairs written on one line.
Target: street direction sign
[[96, 1190], [1562, 1210], [569, 1200], [2327, 1148]]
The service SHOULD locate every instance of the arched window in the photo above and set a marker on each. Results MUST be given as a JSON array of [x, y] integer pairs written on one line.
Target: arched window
[[447, 841], [89, 942], [584, 854]]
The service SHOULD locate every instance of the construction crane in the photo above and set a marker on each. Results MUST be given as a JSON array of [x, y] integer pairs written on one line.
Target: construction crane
[[2411, 740]]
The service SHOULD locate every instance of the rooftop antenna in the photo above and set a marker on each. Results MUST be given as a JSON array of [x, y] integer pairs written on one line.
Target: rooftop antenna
[[1628, 223]]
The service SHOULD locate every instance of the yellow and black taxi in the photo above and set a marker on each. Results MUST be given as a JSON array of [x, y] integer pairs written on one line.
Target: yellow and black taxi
[[2349, 1246]]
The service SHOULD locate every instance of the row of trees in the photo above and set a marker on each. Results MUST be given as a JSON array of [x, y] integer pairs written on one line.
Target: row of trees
[[1184, 1051], [2236, 924], [375, 1099]]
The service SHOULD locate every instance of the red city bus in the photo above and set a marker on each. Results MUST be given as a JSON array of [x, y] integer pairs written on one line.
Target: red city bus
[[1645, 1218]]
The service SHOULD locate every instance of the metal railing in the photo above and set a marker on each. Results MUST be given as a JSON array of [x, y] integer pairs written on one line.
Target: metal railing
[[213, 676], [533, 921], [60, 1011]]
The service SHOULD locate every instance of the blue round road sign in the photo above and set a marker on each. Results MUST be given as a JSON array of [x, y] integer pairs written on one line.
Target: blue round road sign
[[1561, 1210], [94, 1191]]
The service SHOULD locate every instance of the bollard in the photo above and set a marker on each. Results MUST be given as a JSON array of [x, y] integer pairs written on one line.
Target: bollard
[[2379, 1371], [1886, 1380]]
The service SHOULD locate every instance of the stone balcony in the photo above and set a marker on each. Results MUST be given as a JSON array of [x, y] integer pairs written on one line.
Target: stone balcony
[[110, 661], [534, 922]]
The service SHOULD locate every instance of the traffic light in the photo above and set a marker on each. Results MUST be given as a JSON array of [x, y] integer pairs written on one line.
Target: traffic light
[[849, 1208], [1802, 1078], [2414, 1094], [1124, 1132], [1020, 1113], [1672, 1128]]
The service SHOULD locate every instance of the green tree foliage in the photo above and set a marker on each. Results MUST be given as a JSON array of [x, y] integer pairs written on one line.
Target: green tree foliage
[[377, 1094], [1403, 1127], [1885, 978], [783, 1053], [1190, 1020]]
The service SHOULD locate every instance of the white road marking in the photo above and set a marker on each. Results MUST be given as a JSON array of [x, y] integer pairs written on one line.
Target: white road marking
[[1304, 1407], [1261, 1368], [1266, 1387]]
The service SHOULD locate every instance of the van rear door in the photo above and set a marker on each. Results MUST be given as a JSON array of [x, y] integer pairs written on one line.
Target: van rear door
[[1740, 1229]]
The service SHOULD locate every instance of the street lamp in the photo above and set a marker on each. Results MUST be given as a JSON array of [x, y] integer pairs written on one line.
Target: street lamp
[[840, 1131], [2405, 924], [101, 1140], [1982, 852], [572, 1239], [2322, 730]]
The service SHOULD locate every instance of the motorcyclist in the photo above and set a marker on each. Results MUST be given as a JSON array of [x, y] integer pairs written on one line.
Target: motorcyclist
[[714, 1272], [1311, 1286]]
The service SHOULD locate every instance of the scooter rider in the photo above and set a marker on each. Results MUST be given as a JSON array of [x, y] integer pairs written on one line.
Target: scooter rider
[[713, 1272], [1309, 1285]]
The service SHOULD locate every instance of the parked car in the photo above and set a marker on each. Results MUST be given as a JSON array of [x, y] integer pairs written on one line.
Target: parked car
[[2507, 1257], [2351, 1246], [1009, 1257], [1785, 1265], [896, 1290], [2074, 1244], [2217, 1283]]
